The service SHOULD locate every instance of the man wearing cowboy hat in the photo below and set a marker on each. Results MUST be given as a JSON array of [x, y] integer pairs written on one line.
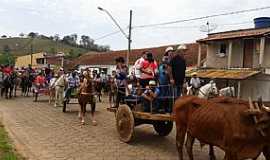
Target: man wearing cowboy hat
[[195, 82], [178, 69]]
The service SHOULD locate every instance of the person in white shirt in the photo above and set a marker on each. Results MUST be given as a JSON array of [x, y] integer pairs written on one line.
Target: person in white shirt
[[59, 89], [136, 69], [195, 82]]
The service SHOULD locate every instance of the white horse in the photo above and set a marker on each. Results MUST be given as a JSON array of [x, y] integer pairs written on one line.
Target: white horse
[[52, 89], [205, 91], [227, 91]]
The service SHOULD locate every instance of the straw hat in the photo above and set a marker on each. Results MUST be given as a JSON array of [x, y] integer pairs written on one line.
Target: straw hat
[[182, 47], [168, 49]]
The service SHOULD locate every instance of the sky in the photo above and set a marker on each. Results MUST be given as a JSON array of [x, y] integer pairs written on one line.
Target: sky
[[65, 17]]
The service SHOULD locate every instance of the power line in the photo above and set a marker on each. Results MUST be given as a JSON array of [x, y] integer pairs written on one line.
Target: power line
[[172, 27], [197, 26], [192, 19], [203, 17], [107, 35]]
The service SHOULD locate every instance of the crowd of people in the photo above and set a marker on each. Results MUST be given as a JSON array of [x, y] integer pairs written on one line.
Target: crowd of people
[[153, 84]]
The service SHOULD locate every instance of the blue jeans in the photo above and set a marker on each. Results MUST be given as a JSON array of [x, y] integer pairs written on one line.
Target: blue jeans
[[147, 105], [176, 91]]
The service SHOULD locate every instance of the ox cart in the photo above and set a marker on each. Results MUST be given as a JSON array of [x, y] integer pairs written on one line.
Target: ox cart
[[127, 118]]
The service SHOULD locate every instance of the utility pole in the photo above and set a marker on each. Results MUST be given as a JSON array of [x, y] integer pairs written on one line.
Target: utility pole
[[129, 37]]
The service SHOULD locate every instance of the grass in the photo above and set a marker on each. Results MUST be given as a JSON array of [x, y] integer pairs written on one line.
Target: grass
[[6, 150], [21, 46]]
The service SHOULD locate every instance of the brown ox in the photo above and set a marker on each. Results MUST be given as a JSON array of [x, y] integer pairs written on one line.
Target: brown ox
[[232, 125]]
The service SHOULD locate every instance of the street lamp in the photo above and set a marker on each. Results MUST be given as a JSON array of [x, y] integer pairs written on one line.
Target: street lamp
[[128, 37]]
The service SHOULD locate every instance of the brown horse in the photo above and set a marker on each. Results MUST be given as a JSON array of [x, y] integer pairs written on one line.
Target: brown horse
[[85, 96]]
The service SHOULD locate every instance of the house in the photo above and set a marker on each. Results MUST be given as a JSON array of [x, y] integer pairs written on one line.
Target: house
[[55, 60], [38, 60], [240, 58], [105, 61]]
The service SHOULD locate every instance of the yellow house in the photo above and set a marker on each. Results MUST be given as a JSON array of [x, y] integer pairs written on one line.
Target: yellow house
[[38, 60]]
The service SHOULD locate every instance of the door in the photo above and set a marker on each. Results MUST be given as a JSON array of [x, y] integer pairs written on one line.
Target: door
[[248, 53]]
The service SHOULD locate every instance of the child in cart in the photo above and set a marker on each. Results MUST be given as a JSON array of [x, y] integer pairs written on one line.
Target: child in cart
[[150, 98], [134, 93]]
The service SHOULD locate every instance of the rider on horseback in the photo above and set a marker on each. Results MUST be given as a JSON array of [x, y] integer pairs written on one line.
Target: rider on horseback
[[195, 82], [73, 83]]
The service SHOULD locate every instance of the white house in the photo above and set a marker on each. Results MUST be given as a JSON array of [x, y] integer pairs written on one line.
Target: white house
[[240, 58]]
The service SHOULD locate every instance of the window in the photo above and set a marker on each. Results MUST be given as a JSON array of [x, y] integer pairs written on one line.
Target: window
[[40, 60], [223, 48]]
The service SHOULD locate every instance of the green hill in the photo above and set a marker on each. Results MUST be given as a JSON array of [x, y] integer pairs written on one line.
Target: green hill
[[22, 46]]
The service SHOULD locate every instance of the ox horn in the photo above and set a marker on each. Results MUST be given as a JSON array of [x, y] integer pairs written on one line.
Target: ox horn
[[267, 109]]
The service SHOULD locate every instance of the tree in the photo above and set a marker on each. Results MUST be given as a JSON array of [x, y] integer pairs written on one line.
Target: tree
[[86, 42], [56, 37], [21, 35], [7, 59], [74, 38], [32, 35], [3, 36], [67, 40]]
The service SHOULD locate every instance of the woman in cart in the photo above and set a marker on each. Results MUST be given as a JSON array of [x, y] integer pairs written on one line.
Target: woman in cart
[[121, 80]]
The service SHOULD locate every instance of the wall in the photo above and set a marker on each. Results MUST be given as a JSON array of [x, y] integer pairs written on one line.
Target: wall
[[23, 61], [256, 86], [212, 59], [237, 54], [266, 60]]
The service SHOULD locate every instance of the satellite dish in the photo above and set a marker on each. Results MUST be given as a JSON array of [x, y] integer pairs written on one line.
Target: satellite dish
[[208, 27]]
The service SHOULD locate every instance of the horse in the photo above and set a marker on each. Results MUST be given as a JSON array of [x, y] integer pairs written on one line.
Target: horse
[[207, 91], [227, 92], [8, 86], [26, 83], [85, 96], [52, 89], [17, 83]]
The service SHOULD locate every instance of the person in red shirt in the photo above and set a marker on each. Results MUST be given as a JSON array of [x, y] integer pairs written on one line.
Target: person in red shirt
[[148, 69], [7, 70], [40, 80]]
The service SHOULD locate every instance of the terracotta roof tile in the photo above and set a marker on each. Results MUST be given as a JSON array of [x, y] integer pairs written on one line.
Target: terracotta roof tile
[[236, 34], [107, 58]]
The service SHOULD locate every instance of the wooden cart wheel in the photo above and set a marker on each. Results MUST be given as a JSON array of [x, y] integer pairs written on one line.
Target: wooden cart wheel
[[163, 128], [125, 123], [64, 106]]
